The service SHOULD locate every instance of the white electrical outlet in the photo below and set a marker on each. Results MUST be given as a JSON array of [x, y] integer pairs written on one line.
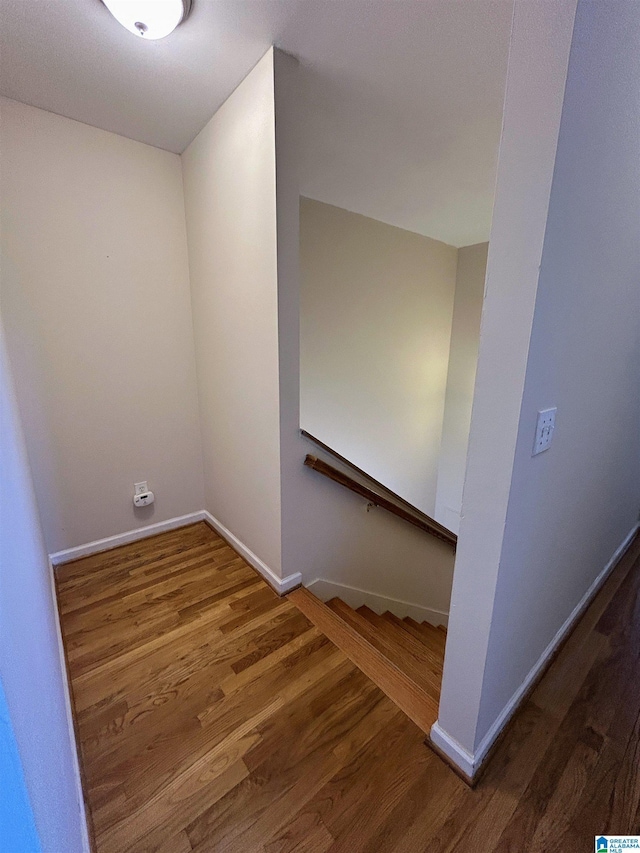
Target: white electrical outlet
[[544, 430], [140, 488]]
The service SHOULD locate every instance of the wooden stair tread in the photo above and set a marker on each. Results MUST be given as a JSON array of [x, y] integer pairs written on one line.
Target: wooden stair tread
[[416, 631], [370, 615], [435, 647], [397, 633], [423, 672], [419, 643], [430, 632], [417, 703], [439, 637]]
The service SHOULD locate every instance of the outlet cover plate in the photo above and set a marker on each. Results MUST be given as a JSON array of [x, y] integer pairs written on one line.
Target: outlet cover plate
[[140, 488], [545, 426]]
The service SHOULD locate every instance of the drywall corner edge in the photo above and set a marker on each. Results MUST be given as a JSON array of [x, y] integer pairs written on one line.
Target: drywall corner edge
[[539, 52]]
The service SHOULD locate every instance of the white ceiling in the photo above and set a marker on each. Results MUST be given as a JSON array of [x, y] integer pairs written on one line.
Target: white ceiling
[[402, 106]]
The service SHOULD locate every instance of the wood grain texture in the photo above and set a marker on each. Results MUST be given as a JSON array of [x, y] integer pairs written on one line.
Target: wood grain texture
[[380, 487], [399, 507], [213, 716], [374, 656]]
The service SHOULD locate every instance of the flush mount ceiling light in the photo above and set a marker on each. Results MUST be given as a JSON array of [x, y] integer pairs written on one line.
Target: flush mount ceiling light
[[149, 19]]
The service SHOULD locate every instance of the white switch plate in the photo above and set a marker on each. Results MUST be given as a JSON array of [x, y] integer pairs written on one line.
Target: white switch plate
[[140, 488], [544, 430]]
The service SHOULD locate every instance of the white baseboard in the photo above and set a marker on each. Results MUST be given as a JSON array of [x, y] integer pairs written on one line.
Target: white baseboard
[[470, 763], [354, 597], [110, 542], [280, 585], [66, 689], [462, 758]]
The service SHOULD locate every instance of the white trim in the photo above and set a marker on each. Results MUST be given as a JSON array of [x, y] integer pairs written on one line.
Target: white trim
[[355, 597], [110, 542], [75, 757], [470, 763], [280, 585], [461, 757]]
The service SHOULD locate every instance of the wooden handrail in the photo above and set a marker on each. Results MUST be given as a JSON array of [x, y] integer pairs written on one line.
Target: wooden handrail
[[395, 498], [415, 517], [376, 483]]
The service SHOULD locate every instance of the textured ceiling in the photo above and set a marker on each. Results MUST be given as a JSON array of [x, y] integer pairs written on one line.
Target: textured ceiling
[[403, 98]]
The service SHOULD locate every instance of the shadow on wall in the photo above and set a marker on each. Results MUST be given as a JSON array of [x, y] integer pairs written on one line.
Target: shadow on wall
[[389, 330]]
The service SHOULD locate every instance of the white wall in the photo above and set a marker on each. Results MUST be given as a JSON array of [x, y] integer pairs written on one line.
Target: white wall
[[327, 532], [368, 557], [572, 506], [30, 667], [375, 322], [95, 294], [461, 376], [538, 58], [230, 199]]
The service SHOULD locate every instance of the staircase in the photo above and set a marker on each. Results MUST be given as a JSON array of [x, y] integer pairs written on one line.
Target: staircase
[[403, 657]]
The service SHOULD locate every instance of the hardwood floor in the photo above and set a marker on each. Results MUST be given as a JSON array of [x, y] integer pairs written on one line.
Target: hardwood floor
[[404, 658], [213, 716]]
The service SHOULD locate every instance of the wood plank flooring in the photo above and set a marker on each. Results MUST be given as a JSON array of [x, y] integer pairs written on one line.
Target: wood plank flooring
[[213, 716], [411, 677]]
